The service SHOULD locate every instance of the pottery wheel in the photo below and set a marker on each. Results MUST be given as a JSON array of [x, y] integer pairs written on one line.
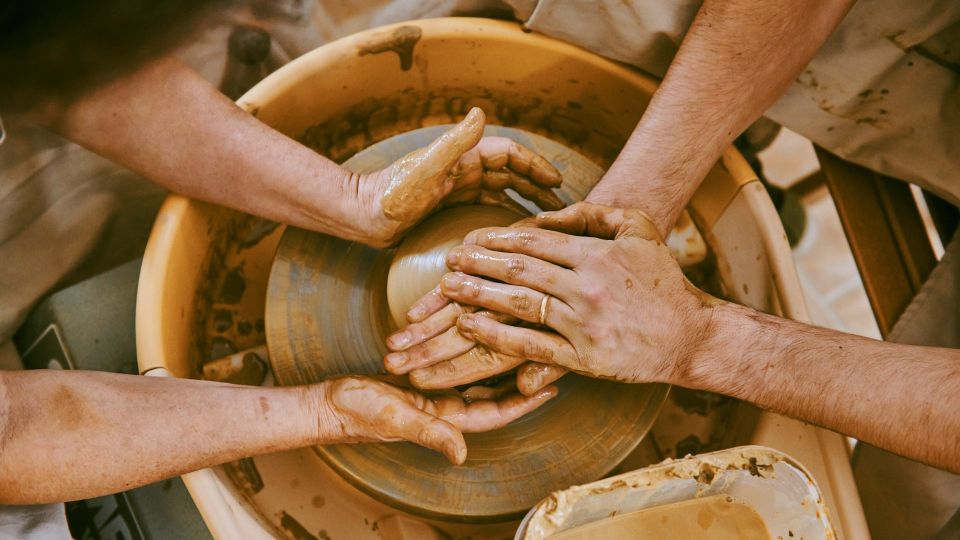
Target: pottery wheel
[[327, 314]]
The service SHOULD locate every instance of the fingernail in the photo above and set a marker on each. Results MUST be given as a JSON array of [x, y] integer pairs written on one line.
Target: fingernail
[[453, 257], [451, 282], [545, 215], [395, 360], [470, 239], [549, 392], [400, 340], [415, 314], [459, 453]]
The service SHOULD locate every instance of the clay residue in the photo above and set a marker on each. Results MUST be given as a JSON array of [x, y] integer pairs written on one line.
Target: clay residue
[[713, 518], [294, 529], [245, 476], [551, 514], [259, 229], [400, 40], [375, 119]]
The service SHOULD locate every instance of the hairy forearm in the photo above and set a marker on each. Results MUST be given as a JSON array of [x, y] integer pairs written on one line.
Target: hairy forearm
[[903, 398], [72, 435], [168, 124], [738, 57]]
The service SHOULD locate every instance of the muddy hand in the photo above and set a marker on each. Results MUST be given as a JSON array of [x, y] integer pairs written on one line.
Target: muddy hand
[[617, 304], [460, 167], [358, 409], [432, 338]]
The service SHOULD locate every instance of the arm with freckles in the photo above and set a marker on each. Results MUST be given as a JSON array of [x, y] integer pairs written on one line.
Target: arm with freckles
[[737, 58], [168, 124], [67, 435], [619, 308]]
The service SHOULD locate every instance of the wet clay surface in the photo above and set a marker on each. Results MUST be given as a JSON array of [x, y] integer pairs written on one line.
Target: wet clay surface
[[711, 518]]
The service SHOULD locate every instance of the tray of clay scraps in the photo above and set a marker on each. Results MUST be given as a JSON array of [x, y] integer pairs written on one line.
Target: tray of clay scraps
[[743, 493]]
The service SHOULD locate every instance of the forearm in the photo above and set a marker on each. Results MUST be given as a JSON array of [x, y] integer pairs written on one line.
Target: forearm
[[72, 435], [168, 124], [738, 57], [905, 399]]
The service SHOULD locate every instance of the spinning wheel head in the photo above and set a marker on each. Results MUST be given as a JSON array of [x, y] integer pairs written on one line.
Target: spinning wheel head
[[331, 304]]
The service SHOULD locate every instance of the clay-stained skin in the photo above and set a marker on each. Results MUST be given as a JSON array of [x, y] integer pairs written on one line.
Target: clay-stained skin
[[363, 410], [710, 518], [628, 266], [414, 179], [401, 40]]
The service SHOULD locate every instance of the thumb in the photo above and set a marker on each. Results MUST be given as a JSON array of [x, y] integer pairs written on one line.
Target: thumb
[[444, 152], [421, 176], [606, 222], [433, 433]]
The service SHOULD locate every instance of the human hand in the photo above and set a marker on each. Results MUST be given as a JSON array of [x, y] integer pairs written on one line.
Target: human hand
[[619, 303], [460, 167], [359, 409]]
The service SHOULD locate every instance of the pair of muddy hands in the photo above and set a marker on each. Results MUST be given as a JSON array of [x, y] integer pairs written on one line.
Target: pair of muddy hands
[[460, 167], [589, 288]]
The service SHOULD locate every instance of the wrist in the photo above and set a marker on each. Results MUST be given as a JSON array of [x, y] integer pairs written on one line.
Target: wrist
[[320, 421], [719, 362]]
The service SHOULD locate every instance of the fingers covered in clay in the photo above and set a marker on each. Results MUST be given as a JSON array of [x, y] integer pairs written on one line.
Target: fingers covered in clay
[[476, 364], [503, 388], [527, 343], [427, 305], [498, 163], [513, 268], [501, 199], [418, 181], [500, 153], [543, 197], [486, 415], [534, 376], [517, 301], [445, 346], [551, 246], [360, 409], [585, 219], [432, 325]]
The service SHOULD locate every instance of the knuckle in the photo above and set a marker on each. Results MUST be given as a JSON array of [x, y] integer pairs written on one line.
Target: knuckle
[[515, 267], [593, 292], [520, 302], [597, 333], [486, 360], [491, 338], [531, 349], [471, 289], [525, 238]]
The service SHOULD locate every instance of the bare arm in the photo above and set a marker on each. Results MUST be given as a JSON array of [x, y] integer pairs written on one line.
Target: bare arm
[[902, 398], [738, 57], [168, 124], [68, 435], [620, 308]]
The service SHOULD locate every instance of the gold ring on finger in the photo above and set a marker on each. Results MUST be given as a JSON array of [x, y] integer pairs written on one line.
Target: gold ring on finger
[[543, 309]]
